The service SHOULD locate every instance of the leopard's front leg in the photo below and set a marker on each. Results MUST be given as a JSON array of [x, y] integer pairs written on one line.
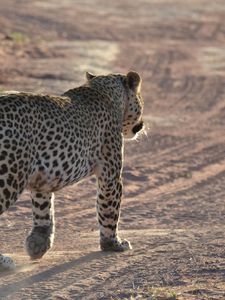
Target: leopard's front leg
[[41, 237], [108, 203]]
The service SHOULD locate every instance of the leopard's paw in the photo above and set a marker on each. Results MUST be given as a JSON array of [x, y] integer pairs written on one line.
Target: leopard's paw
[[39, 241], [117, 245], [6, 263]]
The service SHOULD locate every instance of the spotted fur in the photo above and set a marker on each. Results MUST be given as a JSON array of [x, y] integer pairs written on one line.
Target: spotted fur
[[49, 142]]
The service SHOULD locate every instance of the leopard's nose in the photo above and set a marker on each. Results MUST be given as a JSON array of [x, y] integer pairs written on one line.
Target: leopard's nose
[[138, 127]]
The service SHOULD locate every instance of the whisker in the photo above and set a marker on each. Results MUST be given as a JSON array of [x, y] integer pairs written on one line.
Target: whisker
[[142, 134]]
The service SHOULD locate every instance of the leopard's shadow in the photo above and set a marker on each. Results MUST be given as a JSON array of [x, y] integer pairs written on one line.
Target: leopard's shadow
[[14, 287]]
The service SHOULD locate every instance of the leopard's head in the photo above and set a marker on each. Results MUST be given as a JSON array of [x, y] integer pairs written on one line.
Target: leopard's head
[[133, 121], [126, 92]]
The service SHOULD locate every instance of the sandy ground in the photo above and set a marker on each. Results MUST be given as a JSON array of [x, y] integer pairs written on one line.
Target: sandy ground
[[174, 200]]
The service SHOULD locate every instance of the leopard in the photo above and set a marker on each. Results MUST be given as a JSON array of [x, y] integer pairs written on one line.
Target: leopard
[[48, 142]]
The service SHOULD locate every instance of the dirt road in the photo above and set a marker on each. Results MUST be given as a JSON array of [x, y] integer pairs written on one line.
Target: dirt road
[[173, 209]]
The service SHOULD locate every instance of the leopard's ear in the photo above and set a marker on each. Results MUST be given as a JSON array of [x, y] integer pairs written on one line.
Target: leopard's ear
[[89, 76], [134, 81]]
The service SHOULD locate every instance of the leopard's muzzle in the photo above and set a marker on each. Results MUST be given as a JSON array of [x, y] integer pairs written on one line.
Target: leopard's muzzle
[[138, 127]]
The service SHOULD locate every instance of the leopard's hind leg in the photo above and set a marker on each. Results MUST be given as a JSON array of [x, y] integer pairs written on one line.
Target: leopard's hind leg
[[41, 237], [11, 186]]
